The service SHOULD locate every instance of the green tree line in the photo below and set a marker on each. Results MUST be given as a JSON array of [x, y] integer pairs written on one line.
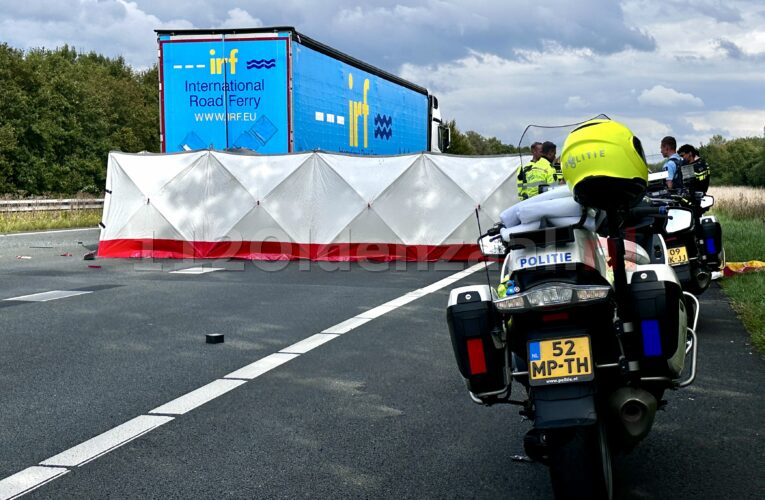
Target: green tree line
[[734, 162], [61, 112]]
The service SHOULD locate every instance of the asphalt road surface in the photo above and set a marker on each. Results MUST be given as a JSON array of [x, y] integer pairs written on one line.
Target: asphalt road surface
[[109, 390]]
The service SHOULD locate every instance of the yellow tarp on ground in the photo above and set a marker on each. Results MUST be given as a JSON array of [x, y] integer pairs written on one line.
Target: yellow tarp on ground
[[733, 268]]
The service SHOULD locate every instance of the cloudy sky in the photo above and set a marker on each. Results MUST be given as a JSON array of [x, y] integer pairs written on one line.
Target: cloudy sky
[[689, 68]]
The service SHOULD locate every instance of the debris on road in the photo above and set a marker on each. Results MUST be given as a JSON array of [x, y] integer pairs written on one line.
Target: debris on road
[[214, 338]]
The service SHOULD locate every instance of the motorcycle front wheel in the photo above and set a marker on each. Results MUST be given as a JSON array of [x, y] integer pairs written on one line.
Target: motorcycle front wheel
[[580, 463]]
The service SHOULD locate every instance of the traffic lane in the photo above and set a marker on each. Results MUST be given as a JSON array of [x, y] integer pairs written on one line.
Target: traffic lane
[[709, 442], [35, 262], [380, 412], [667, 461], [40, 240], [50, 270], [80, 366]]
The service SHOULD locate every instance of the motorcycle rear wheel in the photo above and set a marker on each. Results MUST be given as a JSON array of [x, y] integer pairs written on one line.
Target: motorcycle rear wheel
[[580, 464]]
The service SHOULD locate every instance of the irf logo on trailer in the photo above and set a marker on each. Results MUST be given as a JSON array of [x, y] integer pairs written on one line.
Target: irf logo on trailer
[[218, 64], [356, 110]]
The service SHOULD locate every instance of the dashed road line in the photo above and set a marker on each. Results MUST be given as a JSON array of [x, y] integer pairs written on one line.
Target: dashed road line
[[261, 366], [28, 480], [48, 296], [197, 270], [197, 397], [310, 343], [33, 477], [106, 442], [347, 325]]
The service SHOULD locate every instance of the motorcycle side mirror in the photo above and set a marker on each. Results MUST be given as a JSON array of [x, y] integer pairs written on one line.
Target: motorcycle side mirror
[[491, 246], [678, 220], [707, 201]]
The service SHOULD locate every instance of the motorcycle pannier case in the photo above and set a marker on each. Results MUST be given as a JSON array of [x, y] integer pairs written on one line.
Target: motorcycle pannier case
[[712, 232], [481, 359], [660, 320]]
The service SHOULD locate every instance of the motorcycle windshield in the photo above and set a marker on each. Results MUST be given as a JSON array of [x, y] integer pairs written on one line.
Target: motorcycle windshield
[[541, 133]]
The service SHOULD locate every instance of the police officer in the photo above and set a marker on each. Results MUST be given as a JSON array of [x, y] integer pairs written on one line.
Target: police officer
[[690, 156], [538, 175], [673, 164]]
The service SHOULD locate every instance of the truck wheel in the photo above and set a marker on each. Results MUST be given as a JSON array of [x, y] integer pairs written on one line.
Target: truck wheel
[[580, 463]]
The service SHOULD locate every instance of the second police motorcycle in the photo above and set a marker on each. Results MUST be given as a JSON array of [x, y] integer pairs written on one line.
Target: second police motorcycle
[[594, 328], [696, 253]]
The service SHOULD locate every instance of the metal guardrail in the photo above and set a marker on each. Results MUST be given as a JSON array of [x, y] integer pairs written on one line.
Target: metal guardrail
[[40, 205]]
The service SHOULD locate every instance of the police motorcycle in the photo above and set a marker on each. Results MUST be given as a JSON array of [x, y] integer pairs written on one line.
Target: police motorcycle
[[697, 252], [593, 348]]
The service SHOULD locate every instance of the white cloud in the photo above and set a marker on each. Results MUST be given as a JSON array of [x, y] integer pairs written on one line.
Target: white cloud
[[660, 95], [686, 63], [238, 18], [576, 102], [650, 131], [730, 123], [111, 28]]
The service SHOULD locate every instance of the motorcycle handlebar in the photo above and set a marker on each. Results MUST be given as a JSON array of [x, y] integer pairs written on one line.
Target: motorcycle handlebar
[[494, 230], [649, 211]]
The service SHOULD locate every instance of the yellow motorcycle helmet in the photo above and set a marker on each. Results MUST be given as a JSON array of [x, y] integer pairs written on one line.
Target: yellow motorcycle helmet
[[604, 165]]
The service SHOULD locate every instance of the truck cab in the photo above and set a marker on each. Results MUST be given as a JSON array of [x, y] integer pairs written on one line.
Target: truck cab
[[440, 134]]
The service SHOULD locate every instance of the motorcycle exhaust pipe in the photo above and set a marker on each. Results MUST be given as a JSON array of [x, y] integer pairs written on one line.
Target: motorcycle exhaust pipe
[[702, 276], [635, 410]]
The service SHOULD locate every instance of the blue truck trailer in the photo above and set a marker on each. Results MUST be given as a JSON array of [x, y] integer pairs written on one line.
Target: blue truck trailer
[[274, 90]]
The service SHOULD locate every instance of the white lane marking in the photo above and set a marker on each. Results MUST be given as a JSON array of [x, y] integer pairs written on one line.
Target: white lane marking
[[35, 233], [27, 480], [402, 301], [309, 343], [347, 325], [47, 296], [132, 429], [340, 120], [197, 270], [106, 442], [198, 397], [261, 366], [319, 116], [377, 312]]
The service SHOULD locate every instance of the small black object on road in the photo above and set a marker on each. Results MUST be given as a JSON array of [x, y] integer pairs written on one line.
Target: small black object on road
[[214, 338]]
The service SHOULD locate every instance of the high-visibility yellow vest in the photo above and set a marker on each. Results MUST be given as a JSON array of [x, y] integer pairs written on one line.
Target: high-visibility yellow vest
[[534, 176]]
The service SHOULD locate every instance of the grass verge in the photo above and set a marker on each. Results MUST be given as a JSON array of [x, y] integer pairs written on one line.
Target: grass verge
[[15, 222], [744, 239]]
